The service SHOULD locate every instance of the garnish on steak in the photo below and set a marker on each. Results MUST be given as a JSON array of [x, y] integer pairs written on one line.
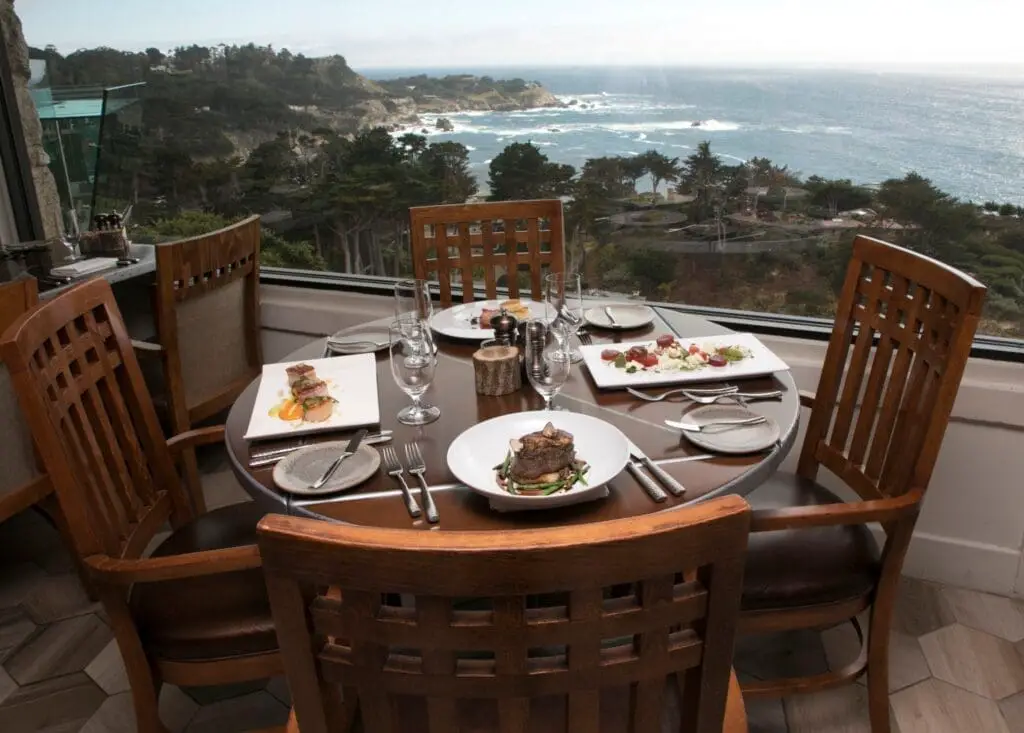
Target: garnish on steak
[[541, 463], [299, 371]]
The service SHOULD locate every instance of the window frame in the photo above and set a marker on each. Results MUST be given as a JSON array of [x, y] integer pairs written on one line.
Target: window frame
[[994, 348]]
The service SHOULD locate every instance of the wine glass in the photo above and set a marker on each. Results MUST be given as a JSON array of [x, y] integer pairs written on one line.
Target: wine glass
[[413, 365], [564, 292], [412, 300], [548, 361]]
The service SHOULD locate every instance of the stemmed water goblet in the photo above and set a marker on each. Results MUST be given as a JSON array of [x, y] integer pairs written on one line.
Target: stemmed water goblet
[[548, 360], [413, 365], [564, 294]]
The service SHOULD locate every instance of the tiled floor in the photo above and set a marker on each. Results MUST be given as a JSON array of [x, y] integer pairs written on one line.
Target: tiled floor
[[957, 658]]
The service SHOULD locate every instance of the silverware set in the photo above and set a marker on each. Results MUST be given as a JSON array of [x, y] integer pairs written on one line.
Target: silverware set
[[638, 458], [707, 396], [416, 467], [270, 457]]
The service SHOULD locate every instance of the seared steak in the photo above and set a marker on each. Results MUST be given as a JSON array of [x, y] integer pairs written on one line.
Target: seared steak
[[536, 455]]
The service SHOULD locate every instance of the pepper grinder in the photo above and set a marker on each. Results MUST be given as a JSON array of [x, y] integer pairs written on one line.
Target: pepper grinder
[[504, 326], [534, 332]]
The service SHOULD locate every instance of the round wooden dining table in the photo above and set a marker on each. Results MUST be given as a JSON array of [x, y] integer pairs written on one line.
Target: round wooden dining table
[[378, 502]]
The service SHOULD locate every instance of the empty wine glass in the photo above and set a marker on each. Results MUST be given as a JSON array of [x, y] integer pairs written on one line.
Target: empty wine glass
[[548, 361], [564, 294], [412, 300], [413, 365]]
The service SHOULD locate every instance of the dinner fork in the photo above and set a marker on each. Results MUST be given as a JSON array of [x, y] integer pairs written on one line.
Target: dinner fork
[[738, 396], [718, 392], [393, 467], [585, 338], [417, 467]]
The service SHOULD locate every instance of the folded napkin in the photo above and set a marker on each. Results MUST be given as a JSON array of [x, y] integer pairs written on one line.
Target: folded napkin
[[84, 267]]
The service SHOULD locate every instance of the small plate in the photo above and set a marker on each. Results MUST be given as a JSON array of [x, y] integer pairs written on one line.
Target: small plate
[[363, 342], [738, 440], [627, 317], [301, 469]]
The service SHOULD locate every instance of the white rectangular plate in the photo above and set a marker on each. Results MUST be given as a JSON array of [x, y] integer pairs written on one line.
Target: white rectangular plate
[[351, 380], [761, 362]]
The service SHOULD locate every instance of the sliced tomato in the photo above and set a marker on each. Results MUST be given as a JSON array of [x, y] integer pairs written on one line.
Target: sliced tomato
[[650, 360], [717, 360], [610, 354], [666, 340], [694, 348]]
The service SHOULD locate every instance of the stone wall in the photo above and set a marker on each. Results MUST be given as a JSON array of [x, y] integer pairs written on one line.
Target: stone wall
[[46, 188]]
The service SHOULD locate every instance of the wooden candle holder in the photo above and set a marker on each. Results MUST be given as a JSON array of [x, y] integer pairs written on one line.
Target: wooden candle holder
[[496, 369]]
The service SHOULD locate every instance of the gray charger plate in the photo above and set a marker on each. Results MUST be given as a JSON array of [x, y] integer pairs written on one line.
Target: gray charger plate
[[297, 472]]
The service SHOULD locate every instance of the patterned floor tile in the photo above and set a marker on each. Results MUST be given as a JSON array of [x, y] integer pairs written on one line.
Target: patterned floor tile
[[15, 628], [7, 685], [907, 665], [788, 654], [57, 598], [222, 489], [115, 715], [766, 716], [176, 708], [107, 670], [1002, 617], [62, 648], [1012, 709], [921, 608], [17, 580], [258, 710], [278, 687], [976, 661], [842, 710], [64, 702], [933, 706]]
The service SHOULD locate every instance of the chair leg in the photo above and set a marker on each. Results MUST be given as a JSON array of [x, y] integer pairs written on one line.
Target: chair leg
[[878, 664], [190, 467], [49, 507]]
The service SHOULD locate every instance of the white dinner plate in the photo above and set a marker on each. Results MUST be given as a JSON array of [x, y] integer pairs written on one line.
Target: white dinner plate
[[362, 342], [737, 440], [299, 471], [473, 455], [627, 316], [760, 363], [457, 322], [351, 380]]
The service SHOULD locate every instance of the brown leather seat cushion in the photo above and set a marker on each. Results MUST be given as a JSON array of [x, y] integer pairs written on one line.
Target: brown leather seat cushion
[[214, 616], [802, 567]]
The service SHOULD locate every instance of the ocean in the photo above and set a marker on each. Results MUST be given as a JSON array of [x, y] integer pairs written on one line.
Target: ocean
[[965, 134]]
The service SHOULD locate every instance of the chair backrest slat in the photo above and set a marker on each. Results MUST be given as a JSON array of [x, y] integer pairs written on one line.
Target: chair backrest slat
[[495, 241], [207, 316], [902, 336], [513, 619], [82, 394]]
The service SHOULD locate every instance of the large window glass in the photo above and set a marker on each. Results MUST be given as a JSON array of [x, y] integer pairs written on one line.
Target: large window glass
[[719, 155]]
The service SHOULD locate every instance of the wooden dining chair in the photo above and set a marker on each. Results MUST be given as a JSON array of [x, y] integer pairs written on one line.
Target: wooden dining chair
[[545, 647], [208, 327], [22, 483], [902, 336], [490, 241], [193, 611]]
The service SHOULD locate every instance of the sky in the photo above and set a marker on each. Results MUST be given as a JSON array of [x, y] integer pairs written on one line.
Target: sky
[[475, 33]]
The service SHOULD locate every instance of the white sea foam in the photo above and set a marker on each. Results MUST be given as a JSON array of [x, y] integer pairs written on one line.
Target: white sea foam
[[641, 137], [820, 130], [470, 148]]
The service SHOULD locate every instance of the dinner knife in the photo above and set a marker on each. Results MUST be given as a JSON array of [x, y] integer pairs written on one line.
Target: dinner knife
[[267, 457], [611, 318], [653, 490], [352, 447], [657, 471], [688, 427]]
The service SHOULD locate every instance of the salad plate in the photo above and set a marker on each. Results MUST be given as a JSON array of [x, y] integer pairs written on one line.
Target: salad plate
[[462, 321], [670, 359], [477, 458]]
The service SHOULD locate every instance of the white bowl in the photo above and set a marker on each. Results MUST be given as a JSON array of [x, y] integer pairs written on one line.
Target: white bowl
[[473, 455]]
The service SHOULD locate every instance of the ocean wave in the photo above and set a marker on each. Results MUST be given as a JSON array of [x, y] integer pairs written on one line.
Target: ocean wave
[[470, 148], [703, 125], [820, 130], [641, 137]]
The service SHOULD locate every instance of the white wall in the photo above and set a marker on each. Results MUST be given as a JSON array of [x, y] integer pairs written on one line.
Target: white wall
[[971, 531]]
